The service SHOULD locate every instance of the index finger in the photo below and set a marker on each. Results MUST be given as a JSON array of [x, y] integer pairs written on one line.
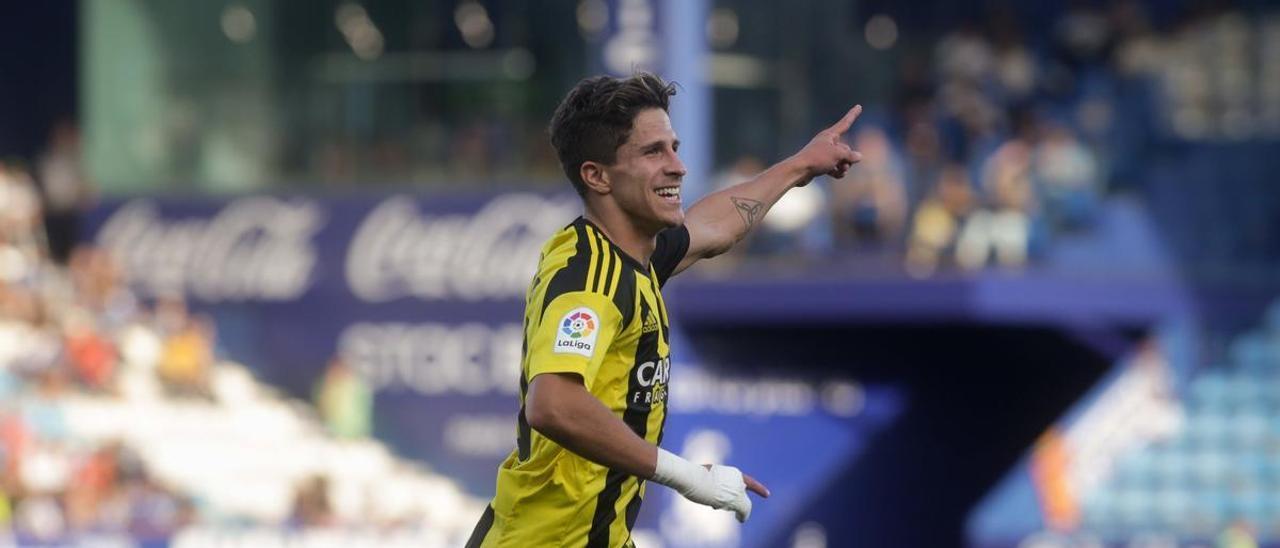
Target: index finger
[[755, 486], [844, 123]]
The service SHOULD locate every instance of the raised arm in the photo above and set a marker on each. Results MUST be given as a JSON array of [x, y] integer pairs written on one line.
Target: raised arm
[[722, 219]]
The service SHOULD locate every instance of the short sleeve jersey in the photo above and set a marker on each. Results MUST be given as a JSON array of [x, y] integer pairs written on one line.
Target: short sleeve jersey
[[594, 312]]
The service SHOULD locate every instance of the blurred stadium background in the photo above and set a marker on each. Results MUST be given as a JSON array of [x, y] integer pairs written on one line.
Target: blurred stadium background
[[262, 262]]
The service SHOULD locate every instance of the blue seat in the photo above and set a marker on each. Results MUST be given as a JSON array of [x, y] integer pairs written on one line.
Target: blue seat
[[1098, 509], [1256, 352], [1250, 504], [1209, 470], [1272, 317], [1172, 468], [1212, 389], [1249, 428], [1141, 470], [1270, 506], [1208, 426], [1134, 508], [1269, 469], [1219, 505], [1172, 508]]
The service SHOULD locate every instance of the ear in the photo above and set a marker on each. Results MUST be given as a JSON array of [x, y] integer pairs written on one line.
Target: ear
[[595, 177]]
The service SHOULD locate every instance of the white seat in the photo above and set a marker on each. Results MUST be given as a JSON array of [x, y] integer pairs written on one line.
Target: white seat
[[243, 455]]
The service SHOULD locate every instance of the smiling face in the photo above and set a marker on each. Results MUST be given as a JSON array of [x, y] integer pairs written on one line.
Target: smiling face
[[646, 177]]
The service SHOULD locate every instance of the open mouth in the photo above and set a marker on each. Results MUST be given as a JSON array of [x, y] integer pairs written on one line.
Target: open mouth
[[669, 193]]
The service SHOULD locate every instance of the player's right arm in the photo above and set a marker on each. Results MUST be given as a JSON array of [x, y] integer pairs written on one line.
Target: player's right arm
[[559, 407], [565, 353]]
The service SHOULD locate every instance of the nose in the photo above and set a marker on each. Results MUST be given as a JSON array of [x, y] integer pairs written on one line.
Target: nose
[[676, 167]]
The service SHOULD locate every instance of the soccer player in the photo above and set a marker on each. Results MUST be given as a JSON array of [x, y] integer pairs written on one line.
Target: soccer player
[[595, 367]]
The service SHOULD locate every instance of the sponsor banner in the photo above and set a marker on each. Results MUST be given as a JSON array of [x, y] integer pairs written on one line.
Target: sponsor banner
[[424, 297], [358, 251]]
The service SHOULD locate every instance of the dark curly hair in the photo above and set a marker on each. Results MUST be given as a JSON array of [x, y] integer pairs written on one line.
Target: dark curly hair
[[596, 118]]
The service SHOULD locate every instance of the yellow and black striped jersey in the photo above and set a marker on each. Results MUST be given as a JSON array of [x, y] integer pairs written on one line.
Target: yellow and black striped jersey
[[593, 311]]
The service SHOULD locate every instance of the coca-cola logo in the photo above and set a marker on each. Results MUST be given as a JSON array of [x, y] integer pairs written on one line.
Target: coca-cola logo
[[491, 254], [256, 248]]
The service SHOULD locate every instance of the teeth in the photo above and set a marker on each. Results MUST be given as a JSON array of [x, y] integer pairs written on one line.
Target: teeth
[[669, 191]]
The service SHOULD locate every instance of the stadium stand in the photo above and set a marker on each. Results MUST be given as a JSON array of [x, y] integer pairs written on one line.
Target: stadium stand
[[116, 419], [1101, 168], [1219, 472]]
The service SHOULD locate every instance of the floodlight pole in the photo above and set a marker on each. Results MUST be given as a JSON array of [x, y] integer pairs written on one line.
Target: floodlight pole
[[684, 46]]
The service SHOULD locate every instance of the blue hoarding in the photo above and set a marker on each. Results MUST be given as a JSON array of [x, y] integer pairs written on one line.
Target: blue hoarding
[[423, 296]]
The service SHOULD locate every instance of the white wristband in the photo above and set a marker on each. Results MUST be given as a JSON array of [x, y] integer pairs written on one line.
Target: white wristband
[[720, 487], [676, 472]]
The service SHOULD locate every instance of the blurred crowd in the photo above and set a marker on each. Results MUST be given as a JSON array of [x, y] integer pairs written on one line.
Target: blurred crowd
[[992, 130], [70, 327], [67, 330], [999, 142]]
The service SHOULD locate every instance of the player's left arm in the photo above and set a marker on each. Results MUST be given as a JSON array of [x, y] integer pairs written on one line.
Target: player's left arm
[[722, 219]]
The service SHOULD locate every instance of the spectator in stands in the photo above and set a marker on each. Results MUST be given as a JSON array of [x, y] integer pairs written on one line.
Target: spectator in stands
[[170, 314], [915, 112], [90, 487], [1082, 36], [923, 156], [57, 325], [116, 510], [742, 169], [1240, 534], [66, 192], [99, 285], [1138, 50], [1014, 67], [15, 438], [38, 519], [471, 155], [156, 512], [42, 461], [938, 220], [6, 507], [42, 408], [187, 358], [311, 506], [1004, 225], [1067, 177], [21, 204], [345, 401], [29, 342], [969, 116], [334, 161], [90, 353], [21, 239], [963, 54], [870, 207]]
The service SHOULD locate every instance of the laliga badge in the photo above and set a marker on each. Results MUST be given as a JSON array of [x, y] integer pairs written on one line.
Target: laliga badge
[[577, 332]]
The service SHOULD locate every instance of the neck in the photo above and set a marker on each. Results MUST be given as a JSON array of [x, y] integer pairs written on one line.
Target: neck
[[634, 240]]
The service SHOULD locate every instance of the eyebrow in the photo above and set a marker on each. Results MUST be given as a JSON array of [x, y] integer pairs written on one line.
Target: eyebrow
[[675, 144]]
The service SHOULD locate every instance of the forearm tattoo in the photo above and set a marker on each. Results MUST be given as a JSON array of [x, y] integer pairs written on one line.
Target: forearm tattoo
[[750, 210]]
